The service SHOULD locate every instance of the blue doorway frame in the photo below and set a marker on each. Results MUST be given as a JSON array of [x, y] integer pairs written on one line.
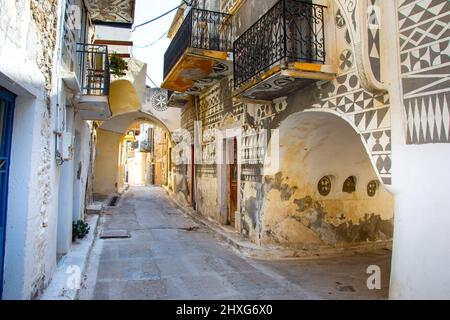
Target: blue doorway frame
[[7, 100]]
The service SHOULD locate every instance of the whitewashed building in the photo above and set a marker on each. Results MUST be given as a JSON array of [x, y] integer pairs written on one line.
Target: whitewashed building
[[54, 85]]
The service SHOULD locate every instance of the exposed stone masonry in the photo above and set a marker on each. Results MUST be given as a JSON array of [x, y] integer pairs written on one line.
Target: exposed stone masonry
[[45, 15]]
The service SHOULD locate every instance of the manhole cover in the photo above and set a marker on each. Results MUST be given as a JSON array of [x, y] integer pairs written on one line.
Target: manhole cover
[[115, 234]]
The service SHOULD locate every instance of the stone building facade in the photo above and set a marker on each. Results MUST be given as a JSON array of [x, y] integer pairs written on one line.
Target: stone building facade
[[315, 143], [284, 206]]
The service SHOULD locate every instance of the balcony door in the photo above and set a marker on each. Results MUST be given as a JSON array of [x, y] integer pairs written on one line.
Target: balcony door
[[6, 125], [302, 30]]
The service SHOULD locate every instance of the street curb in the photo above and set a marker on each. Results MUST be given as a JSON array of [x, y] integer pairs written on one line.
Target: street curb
[[77, 257], [252, 250]]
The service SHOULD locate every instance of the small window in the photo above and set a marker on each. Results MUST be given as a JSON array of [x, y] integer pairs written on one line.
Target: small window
[[349, 185], [324, 186], [372, 188]]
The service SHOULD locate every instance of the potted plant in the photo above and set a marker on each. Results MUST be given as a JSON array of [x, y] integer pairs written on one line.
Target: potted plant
[[117, 65], [79, 230]]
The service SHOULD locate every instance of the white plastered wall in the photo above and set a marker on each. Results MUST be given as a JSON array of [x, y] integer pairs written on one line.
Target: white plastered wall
[[32, 204]]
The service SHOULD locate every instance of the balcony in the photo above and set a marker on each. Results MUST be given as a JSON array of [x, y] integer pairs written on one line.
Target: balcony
[[198, 56], [282, 52], [93, 64]]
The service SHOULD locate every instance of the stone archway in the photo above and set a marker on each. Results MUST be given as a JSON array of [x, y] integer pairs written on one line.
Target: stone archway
[[108, 173], [327, 191]]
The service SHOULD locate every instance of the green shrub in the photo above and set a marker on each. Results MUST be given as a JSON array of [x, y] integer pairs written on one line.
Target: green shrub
[[79, 230], [117, 65]]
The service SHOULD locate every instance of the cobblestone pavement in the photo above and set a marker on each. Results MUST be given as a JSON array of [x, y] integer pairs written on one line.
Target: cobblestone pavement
[[169, 256]]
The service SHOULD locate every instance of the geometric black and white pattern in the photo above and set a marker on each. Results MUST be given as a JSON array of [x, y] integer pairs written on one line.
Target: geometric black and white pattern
[[120, 11], [425, 66], [368, 112], [428, 119], [156, 98], [374, 38], [220, 71], [346, 60], [159, 101]]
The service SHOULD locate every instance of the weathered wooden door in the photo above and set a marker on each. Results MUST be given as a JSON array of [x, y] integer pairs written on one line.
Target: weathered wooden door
[[6, 124], [233, 175]]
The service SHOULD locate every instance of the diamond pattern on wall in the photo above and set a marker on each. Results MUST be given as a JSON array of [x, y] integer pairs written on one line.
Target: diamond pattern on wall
[[425, 51], [374, 38], [428, 119]]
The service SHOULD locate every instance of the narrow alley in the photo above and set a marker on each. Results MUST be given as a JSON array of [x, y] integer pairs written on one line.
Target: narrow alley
[[169, 256]]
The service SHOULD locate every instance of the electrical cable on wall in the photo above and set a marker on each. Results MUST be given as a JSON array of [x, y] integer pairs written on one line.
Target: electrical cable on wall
[[189, 4], [153, 43], [152, 82], [154, 19]]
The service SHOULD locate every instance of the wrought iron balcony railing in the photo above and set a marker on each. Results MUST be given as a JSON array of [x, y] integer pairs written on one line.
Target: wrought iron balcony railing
[[201, 29], [291, 31], [94, 69]]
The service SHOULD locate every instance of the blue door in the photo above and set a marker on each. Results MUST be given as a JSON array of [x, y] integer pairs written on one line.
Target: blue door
[[6, 124]]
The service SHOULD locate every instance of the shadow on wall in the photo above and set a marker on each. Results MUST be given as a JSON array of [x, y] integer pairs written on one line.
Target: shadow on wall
[[326, 192]]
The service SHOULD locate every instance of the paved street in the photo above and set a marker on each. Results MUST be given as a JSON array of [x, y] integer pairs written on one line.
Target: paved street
[[169, 256]]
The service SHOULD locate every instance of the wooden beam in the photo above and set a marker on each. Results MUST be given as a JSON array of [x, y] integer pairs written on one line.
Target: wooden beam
[[122, 55], [114, 43]]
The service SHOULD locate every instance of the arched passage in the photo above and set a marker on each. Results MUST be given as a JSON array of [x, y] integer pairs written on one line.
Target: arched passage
[[326, 191], [112, 138]]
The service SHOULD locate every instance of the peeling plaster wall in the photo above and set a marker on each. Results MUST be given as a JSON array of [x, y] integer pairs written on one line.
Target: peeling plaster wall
[[251, 210], [180, 186], [181, 168], [286, 208], [314, 145], [206, 199]]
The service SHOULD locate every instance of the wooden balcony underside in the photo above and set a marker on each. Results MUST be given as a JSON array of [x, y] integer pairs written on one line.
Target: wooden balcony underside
[[198, 70]]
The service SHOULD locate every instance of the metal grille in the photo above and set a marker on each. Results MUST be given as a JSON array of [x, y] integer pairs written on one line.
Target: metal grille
[[69, 38], [74, 31], [201, 29], [292, 30], [94, 62]]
